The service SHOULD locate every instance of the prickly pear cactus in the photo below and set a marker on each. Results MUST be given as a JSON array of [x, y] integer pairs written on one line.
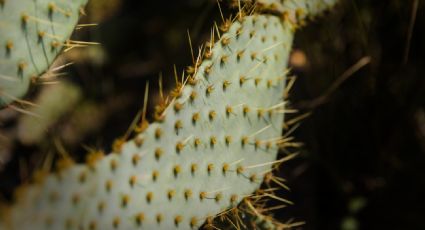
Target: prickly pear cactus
[[212, 147], [32, 33], [297, 8], [209, 149]]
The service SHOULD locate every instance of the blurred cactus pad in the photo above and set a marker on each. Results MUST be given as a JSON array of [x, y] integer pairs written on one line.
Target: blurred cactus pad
[[214, 141], [32, 34]]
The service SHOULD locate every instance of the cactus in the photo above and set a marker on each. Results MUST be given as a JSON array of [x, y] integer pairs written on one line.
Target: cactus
[[32, 126], [297, 9], [32, 33], [209, 149]]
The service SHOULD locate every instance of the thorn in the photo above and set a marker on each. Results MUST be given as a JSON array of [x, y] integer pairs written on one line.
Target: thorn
[[296, 119], [190, 46], [221, 12]]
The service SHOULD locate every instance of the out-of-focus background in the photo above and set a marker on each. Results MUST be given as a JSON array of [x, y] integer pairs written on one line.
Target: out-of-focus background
[[360, 72]]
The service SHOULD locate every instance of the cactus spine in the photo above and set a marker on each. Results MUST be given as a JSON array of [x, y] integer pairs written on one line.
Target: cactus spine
[[32, 33], [209, 149]]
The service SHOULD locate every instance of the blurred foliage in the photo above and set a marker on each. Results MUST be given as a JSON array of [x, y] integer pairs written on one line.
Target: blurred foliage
[[362, 163]]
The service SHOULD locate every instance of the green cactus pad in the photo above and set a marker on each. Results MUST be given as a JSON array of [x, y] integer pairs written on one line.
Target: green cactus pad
[[216, 141], [32, 127], [32, 33], [297, 9]]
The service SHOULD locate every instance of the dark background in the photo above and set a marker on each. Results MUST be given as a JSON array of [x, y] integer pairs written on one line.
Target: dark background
[[362, 165]]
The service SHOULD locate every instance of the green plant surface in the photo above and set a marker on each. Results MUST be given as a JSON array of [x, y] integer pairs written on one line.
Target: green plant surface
[[33, 126], [215, 142], [296, 10], [212, 144], [32, 34]]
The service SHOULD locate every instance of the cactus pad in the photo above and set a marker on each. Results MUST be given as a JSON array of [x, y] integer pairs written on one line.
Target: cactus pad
[[32, 33], [309, 7], [210, 149]]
